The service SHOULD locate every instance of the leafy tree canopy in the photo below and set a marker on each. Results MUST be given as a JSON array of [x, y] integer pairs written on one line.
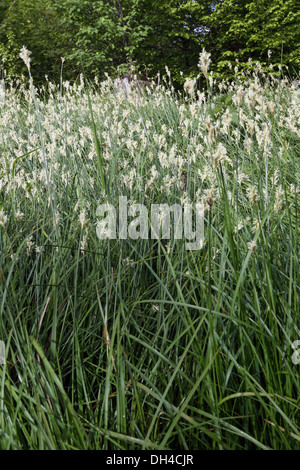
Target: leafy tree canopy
[[109, 35]]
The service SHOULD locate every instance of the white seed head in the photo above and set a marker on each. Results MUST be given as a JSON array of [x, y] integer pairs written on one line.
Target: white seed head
[[204, 62], [24, 54]]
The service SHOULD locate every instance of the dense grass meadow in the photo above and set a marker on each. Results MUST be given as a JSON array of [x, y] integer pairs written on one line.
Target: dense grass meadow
[[142, 344]]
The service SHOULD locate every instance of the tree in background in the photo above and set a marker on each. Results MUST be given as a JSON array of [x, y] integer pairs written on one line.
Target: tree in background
[[178, 32], [243, 28], [33, 23], [105, 33], [111, 35], [150, 33]]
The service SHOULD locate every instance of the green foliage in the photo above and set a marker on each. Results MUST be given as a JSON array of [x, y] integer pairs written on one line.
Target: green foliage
[[102, 35], [35, 24], [142, 344], [243, 29], [178, 33], [105, 33]]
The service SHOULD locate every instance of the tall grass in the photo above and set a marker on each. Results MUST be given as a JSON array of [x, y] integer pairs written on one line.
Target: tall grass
[[141, 344]]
